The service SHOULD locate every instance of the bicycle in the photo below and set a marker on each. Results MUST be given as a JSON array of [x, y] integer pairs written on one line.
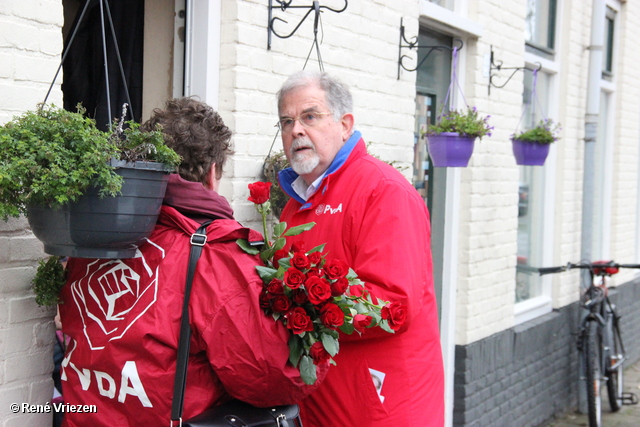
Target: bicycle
[[599, 340]]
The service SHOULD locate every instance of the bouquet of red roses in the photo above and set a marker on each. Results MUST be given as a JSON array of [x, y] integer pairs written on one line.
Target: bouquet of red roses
[[313, 296]]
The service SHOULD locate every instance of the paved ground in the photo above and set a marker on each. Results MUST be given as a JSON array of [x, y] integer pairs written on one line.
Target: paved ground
[[628, 416]]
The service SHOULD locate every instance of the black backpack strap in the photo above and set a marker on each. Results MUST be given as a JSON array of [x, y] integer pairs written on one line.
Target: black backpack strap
[[198, 240]]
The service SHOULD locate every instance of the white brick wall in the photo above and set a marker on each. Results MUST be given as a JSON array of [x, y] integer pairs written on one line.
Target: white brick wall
[[30, 46], [489, 186], [627, 141]]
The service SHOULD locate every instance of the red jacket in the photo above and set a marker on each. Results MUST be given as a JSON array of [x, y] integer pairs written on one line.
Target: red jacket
[[370, 217], [123, 318]]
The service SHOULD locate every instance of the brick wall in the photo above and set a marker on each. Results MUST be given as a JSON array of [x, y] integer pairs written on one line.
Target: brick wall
[[30, 49]]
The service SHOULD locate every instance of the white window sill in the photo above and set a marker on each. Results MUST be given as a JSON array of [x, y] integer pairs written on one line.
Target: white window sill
[[532, 308]]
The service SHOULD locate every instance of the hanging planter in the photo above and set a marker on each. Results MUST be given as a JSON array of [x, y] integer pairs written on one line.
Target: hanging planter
[[531, 148], [61, 171], [452, 138], [529, 153], [104, 227], [450, 149]]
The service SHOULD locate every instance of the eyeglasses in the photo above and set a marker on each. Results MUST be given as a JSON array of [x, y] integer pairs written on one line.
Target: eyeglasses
[[308, 119]]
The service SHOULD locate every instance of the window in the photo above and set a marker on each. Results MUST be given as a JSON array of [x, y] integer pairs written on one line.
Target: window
[[448, 4], [536, 184], [540, 27], [531, 196], [605, 141], [607, 57], [434, 75], [432, 81]]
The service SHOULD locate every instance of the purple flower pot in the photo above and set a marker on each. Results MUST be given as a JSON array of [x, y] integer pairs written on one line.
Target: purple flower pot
[[529, 153], [449, 149]]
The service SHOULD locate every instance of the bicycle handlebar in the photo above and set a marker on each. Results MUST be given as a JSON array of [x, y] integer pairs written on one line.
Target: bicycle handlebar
[[585, 265], [551, 270]]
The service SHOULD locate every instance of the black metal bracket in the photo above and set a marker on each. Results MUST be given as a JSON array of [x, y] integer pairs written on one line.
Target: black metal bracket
[[283, 5], [413, 44], [497, 65]]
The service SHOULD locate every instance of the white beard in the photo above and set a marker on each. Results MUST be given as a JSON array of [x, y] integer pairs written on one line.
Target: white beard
[[306, 161]]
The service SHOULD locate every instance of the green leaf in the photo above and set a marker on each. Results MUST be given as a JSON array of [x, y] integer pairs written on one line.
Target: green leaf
[[308, 370], [267, 254], [294, 231], [278, 229], [347, 328], [266, 273], [330, 344], [279, 244], [361, 308], [385, 327], [295, 350], [285, 263], [244, 244], [318, 248]]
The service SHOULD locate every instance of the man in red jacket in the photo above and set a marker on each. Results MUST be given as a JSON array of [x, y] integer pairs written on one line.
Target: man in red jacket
[[372, 218], [123, 315]]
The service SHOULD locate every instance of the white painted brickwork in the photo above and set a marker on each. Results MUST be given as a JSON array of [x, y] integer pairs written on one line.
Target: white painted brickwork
[[489, 186], [30, 46]]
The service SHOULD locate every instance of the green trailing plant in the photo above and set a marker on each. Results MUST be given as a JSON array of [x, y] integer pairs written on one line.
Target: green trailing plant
[[545, 132], [48, 281], [465, 122], [50, 156]]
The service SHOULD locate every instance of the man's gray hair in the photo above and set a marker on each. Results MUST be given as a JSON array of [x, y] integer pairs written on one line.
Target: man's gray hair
[[337, 94]]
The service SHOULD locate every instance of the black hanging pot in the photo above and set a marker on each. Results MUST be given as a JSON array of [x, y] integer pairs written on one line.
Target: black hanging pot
[[108, 227]]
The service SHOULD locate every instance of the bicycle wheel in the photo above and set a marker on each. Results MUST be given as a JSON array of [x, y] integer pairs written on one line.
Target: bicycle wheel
[[592, 370], [614, 370]]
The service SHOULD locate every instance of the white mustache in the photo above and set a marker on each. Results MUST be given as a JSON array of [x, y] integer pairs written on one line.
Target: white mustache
[[301, 143]]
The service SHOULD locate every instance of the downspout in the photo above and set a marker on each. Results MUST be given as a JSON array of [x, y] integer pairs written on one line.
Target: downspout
[[598, 16], [590, 129]]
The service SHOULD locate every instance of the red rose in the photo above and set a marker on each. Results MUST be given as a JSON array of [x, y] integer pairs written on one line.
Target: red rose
[[300, 261], [357, 290], [297, 246], [361, 321], [395, 314], [281, 304], [315, 258], [318, 353], [293, 278], [278, 255], [259, 192], [318, 290], [339, 287], [331, 316], [264, 299], [298, 321], [336, 269], [299, 296], [314, 272], [275, 287]]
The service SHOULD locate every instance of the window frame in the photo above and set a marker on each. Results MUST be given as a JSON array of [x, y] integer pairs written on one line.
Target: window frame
[[542, 304], [548, 51]]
